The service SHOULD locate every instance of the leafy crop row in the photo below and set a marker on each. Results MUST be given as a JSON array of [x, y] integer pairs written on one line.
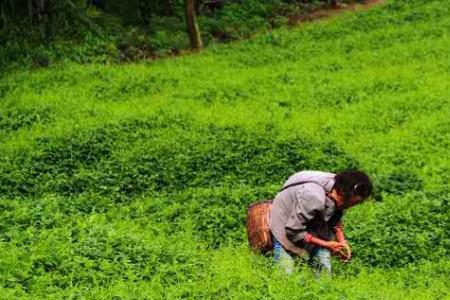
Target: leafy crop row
[[130, 158]]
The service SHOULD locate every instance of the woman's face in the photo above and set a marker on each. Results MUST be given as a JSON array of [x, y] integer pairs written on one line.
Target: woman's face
[[342, 203], [351, 202]]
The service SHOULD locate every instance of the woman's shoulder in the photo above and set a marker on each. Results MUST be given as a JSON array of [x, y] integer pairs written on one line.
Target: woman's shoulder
[[313, 194]]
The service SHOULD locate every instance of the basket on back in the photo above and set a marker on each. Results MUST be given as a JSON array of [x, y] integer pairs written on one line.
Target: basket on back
[[258, 231]]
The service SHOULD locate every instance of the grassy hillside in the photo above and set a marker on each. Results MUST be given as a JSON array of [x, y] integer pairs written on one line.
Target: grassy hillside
[[132, 182]]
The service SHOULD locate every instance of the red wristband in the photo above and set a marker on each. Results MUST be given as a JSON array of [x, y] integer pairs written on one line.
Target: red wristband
[[310, 239]]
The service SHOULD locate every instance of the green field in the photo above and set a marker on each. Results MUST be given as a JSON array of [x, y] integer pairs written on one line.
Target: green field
[[132, 181]]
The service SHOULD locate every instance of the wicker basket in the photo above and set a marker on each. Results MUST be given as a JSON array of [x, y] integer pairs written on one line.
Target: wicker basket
[[258, 231]]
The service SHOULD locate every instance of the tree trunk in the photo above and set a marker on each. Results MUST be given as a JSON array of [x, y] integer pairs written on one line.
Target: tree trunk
[[41, 8], [334, 3], [47, 9], [3, 13], [169, 8], [30, 9], [192, 26]]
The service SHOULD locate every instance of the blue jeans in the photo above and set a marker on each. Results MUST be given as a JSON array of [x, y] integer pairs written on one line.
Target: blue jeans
[[319, 259]]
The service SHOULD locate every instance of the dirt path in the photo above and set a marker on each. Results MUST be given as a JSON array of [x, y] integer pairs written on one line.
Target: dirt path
[[323, 13]]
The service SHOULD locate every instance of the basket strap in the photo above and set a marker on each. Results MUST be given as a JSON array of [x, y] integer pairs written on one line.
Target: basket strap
[[296, 183]]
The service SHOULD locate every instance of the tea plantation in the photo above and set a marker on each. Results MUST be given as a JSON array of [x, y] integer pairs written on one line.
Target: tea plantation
[[132, 181]]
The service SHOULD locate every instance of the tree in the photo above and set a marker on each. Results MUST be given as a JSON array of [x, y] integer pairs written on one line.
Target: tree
[[192, 26], [334, 3]]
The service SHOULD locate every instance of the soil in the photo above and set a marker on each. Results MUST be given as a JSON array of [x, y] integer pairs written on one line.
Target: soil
[[328, 12]]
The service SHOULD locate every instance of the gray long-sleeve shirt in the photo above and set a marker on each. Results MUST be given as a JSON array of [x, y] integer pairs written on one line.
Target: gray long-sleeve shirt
[[304, 208]]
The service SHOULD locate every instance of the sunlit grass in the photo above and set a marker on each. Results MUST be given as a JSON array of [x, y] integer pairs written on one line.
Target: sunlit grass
[[132, 181]]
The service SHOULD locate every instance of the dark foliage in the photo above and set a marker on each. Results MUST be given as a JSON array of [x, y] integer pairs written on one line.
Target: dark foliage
[[166, 156]]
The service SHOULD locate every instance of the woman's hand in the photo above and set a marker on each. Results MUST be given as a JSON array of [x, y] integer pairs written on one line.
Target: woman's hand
[[340, 248], [345, 253], [335, 247]]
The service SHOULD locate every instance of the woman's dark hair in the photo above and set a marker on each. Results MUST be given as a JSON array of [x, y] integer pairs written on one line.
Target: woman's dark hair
[[353, 183]]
